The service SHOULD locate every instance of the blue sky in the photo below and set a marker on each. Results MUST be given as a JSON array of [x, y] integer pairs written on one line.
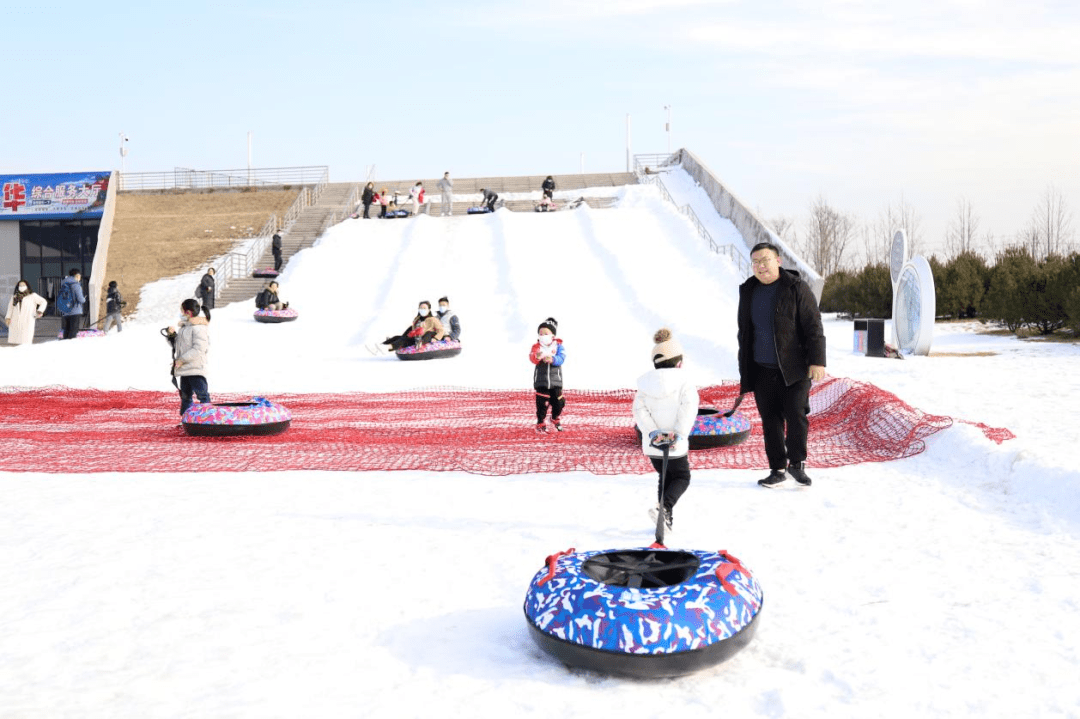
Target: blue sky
[[859, 102]]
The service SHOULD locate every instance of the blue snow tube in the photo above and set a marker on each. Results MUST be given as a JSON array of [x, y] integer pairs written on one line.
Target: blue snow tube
[[646, 613], [478, 210]]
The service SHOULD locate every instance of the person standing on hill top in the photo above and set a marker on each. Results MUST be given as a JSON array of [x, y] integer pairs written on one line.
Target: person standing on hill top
[[416, 194], [548, 356], [548, 187], [24, 309], [206, 288], [665, 409], [383, 198], [275, 247], [367, 198], [446, 202], [781, 350]]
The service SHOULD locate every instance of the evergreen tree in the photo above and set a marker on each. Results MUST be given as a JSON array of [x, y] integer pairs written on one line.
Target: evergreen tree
[[1008, 297]]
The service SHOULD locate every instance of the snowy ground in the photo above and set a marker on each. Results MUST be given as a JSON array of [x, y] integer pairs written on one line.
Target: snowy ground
[[941, 585]]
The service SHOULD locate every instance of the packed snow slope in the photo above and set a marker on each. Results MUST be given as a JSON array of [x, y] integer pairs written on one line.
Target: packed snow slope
[[610, 278]]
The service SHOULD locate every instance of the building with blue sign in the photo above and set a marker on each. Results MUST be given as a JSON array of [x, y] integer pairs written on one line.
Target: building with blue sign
[[51, 223]]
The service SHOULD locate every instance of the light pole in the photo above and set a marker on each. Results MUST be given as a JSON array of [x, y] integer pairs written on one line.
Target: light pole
[[667, 127], [123, 156]]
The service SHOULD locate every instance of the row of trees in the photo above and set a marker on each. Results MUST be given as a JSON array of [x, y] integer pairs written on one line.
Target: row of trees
[[830, 239], [1018, 290]]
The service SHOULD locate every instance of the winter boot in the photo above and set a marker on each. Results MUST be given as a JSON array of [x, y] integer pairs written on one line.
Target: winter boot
[[798, 471], [775, 478], [541, 427], [556, 424]]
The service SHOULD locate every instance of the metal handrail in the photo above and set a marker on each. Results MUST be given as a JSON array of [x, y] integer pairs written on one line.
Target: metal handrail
[[729, 250], [186, 178]]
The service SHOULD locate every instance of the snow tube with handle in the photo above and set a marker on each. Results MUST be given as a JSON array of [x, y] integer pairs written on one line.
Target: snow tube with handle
[[438, 349], [276, 316], [265, 272], [713, 429], [260, 417], [647, 613], [477, 211], [395, 214]]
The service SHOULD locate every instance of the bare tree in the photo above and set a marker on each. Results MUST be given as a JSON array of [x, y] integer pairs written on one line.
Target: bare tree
[[901, 216], [784, 227], [960, 234], [1050, 231], [828, 234]]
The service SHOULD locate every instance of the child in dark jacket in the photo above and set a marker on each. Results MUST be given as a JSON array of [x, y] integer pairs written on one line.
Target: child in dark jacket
[[548, 355]]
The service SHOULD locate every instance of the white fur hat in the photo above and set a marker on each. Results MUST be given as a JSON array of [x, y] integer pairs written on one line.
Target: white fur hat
[[667, 347]]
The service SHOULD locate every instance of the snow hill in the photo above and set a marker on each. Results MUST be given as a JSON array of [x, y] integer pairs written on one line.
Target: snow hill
[[940, 585]]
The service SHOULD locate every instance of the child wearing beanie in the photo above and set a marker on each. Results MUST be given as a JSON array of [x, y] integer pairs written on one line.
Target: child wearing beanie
[[665, 409], [548, 356]]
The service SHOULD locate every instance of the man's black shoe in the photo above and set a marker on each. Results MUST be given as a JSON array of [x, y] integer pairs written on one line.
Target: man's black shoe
[[798, 471], [775, 478]]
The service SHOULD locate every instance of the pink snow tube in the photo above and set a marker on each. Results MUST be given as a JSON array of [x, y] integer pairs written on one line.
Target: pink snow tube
[[432, 350], [90, 332], [276, 316], [260, 416]]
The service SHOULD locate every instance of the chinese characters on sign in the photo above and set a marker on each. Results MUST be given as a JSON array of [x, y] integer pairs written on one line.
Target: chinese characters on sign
[[57, 196]]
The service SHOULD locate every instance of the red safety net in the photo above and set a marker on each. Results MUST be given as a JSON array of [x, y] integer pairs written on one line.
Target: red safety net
[[491, 432]]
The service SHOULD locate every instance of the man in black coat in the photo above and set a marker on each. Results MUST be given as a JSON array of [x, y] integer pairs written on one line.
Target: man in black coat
[[206, 289], [275, 247], [781, 349]]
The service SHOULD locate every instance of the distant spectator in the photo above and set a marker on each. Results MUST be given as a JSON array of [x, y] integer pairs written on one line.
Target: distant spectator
[[416, 194], [24, 309], [205, 292], [275, 247], [268, 299], [71, 301], [489, 199], [367, 198], [114, 303], [545, 205], [383, 198], [548, 187], [449, 319], [446, 202]]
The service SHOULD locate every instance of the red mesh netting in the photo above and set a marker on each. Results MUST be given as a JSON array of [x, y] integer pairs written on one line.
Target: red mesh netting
[[490, 432]]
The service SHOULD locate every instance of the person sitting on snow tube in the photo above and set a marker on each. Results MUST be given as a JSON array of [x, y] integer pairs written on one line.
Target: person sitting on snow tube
[[424, 328], [450, 322], [268, 299], [545, 205]]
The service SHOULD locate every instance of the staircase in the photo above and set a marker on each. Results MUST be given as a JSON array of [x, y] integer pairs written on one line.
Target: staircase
[[311, 223]]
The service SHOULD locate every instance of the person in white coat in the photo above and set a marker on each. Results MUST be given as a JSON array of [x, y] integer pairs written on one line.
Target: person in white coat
[[24, 309], [191, 345], [665, 409]]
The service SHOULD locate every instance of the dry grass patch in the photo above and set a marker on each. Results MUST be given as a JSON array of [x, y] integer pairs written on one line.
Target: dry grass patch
[[165, 234]]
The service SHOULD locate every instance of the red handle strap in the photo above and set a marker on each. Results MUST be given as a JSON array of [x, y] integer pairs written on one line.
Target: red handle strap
[[550, 562], [724, 570]]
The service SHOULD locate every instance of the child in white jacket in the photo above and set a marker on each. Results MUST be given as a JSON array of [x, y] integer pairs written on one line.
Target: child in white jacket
[[665, 409]]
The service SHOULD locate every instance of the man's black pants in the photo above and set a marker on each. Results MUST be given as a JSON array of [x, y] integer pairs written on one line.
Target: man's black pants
[[783, 409]]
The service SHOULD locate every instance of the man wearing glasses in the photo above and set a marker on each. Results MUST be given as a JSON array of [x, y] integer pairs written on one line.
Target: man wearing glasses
[[781, 349]]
